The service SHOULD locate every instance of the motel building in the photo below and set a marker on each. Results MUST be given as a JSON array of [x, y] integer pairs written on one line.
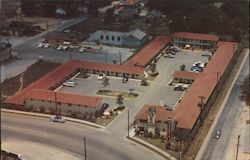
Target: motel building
[[195, 40], [65, 104], [155, 120]]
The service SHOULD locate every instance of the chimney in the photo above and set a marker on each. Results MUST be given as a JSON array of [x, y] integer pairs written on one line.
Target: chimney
[[151, 115]]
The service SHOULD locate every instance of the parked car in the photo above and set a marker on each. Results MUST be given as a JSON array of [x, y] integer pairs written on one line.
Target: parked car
[[125, 79], [47, 45], [82, 49], [57, 119], [217, 134], [180, 87], [196, 69], [100, 77], [70, 83], [59, 48], [40, 45], [169, 56]]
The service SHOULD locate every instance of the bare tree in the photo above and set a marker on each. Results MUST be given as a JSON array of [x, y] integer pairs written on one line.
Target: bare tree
[[105, 82]]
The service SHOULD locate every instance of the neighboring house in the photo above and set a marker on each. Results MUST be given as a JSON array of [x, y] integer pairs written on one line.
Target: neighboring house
[[195, 40], [135, 38], [154, 120], [19, 28], [58, 37], [40, 99]]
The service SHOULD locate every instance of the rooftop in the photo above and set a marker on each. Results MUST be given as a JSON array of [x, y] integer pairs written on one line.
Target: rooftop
[[152, 49], [185, 75], [48, 95], [197, 36], [64, 72]]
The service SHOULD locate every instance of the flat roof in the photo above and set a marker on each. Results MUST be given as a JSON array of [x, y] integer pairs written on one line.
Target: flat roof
[[198, 36], [143, 57]]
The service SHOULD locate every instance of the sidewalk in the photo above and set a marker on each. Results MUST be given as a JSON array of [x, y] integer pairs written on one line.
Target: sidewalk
[[148, 145], [49, 116]]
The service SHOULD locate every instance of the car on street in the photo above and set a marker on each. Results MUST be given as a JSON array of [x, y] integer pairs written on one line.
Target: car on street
[[217, 134], [57, 119]]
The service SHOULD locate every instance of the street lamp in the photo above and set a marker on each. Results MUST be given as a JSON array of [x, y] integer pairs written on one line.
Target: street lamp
[[85, 149]]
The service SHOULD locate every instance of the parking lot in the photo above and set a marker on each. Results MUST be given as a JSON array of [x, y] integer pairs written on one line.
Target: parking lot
[[107, 54], [89, 86], [165, 92]]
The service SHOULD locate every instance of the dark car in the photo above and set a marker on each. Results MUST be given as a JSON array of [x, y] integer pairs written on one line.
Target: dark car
[[217, 134], [125, 80]]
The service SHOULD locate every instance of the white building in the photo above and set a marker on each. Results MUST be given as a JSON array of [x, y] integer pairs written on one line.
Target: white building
[[134, 38]]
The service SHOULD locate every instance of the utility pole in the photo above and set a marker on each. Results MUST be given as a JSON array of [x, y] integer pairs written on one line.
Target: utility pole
[[56, 102], [181, 150], [217, 76], [201, 107], [120, 57], [128, 122], [105, 57], [237, 147], [85, 149]]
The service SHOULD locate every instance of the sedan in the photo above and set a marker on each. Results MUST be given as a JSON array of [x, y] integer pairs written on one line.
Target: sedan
[[57, 119], [217, 134]]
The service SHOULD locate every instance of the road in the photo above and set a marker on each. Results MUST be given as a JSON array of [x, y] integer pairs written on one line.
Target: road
[[100, 144], [216, 148]]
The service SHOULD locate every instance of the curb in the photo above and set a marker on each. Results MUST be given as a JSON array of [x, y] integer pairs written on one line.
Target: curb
[[48, 116], [202, 149], [153, 148]]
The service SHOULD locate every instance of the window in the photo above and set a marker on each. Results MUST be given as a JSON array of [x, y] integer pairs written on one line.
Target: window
[[113, 38], [118, 38], [163, 130], [69, 104], [107, 37], [59, 103], [101, 37]]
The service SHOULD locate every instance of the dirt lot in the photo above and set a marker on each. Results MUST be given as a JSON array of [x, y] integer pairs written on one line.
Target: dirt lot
[[34, 72], [202, 133]]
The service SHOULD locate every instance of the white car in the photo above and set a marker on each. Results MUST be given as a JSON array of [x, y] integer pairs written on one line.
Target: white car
[[40, 45], [65, 47], [59, 48], [57, 119], [47, 45], [100, 77], [82, 49], [70, 83]]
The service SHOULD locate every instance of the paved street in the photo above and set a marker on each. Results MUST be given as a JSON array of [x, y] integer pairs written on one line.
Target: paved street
[[216, 148], [68, 138]]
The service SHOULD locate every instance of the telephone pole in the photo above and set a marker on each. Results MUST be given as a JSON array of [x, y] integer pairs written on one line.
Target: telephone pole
[[85, 149], [201, 105], [56, 102], [128, 122], [237, 147]]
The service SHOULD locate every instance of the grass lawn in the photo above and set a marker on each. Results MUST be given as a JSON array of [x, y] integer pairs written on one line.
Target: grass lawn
[[115, 93]]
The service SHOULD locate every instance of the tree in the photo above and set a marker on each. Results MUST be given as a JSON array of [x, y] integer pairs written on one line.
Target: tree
[[153, 67], [245, 90], [119, 100], [105, 82], [183, 67]]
